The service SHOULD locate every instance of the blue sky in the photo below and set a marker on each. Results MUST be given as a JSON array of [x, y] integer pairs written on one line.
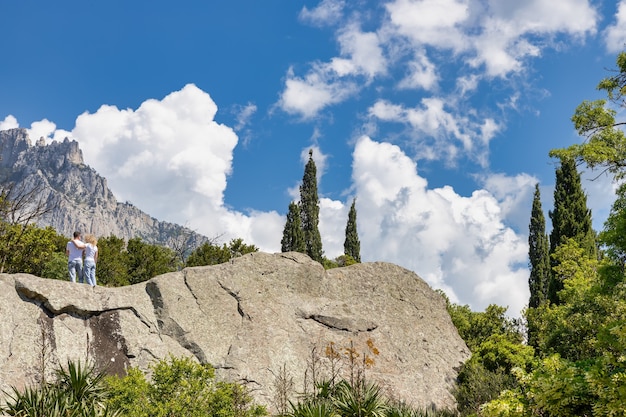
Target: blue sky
[[436, 115]]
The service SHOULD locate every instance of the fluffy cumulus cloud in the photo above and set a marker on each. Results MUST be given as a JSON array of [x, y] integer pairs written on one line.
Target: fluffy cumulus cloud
[[457, 243], [9, 122], [615, 34], [170, 158]]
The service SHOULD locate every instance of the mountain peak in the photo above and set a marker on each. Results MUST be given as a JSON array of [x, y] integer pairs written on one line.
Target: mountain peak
[[79, 195]]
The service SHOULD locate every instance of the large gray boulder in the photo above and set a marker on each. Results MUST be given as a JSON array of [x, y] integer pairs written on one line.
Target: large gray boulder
[[256, 318]]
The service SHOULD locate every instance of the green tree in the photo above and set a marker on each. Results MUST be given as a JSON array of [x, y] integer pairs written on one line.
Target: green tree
[[293, 235], [146, 261], [538, 254], [352, 245], [28, 248], [20, 207], [582, 339], [211, 254], [605, 144], [570, 218], [539, 257], [112, 268], [613, 237], [310, 210]]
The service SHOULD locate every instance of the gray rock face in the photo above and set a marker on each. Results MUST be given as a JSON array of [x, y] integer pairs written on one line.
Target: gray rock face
[[80, 197], [250, 318]]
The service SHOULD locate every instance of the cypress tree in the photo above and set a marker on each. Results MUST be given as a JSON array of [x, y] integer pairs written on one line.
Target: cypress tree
[[310, 210], [570, 219], [539, 257], [538, 254], [352, 246], [293, 236]]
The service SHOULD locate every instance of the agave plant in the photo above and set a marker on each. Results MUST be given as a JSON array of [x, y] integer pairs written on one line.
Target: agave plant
[[359, 400], [314, 407], [77, 392]]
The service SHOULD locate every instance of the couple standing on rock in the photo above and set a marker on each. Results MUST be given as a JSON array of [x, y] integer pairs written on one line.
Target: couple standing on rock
[[74, 251]]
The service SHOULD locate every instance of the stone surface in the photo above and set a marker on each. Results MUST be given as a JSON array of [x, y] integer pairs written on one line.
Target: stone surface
[[249, 318]]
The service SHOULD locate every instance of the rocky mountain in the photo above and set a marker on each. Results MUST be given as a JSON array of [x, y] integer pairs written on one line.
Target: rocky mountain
[[251, 318], [80, 197]]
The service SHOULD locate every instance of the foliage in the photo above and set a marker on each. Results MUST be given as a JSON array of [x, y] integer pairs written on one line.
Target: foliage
[[613, 237], [78, 391], [211, 254], [540, 266], [310, 210], [570, 218], [570, 328], [55, 267], [293, 235], [352, 245], [476, 327], [605, 145], [538, 254], [27, 248], [477, 385], [180, 387], [112, 269], [146, 261]]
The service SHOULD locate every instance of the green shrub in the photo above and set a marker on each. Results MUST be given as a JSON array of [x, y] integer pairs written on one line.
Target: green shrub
[[180, 387]]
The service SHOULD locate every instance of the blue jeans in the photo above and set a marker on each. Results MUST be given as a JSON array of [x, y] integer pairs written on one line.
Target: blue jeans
[[90, 272], [75, 268]]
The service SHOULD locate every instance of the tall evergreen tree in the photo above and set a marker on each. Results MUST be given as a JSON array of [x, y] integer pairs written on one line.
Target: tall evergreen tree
[[540, 272], [293, 235], [310, 210], [570, 219], [538, 254], [352, 245]]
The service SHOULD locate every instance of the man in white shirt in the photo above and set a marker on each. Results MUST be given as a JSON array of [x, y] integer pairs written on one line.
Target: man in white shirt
[[74, 251]]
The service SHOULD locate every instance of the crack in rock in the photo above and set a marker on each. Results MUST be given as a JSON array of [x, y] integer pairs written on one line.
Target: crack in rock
[[233, 294], [169, 327], [44, 304], [342, 323], [192, 293]]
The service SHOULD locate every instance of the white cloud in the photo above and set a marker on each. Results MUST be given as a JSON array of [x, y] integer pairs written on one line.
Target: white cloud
[[171, 159], [309, 95], [615, 34], [361, 54], [498, 34], [430, 22], [422, 74], [459, 244], [9, 122], [332, 82], [438, 133], [515, 196], [244, 113], [328, 12]]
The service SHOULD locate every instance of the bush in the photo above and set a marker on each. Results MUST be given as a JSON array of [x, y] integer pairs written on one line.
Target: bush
[[180, 387]]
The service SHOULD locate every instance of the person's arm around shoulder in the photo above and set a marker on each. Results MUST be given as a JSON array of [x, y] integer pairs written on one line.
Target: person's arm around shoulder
[[79, 244]]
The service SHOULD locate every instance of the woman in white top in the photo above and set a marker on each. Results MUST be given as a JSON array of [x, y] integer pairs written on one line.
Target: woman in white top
[[91, 257]]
